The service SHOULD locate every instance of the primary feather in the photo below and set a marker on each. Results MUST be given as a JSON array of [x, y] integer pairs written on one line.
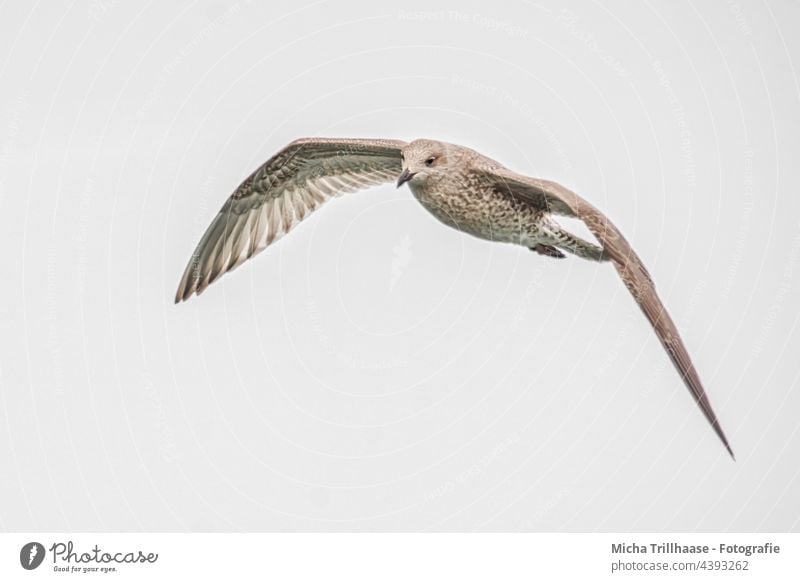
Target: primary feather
[[281, 193]]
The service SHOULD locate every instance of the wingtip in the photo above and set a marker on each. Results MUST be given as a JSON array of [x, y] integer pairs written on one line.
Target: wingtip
[[182, 295], [188, 285], [185, 296], [179, 294], [722, 437], [730, 452]]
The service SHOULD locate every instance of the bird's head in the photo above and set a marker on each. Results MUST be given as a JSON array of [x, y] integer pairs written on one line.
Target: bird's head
[[425, 158]]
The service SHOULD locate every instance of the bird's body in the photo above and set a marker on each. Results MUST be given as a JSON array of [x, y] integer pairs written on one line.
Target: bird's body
[[468, 199], [459, 186], [466, 202]]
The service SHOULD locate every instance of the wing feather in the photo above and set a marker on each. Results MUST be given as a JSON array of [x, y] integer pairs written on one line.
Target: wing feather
[[280, 194], [557, 199], [259, 227]]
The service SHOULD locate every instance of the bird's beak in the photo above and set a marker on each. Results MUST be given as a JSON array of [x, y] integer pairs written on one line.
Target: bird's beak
[[405, 177]]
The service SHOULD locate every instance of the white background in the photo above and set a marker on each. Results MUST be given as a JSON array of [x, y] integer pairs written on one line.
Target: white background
[[375, 370]]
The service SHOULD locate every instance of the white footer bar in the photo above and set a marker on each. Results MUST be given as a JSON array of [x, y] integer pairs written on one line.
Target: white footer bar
[[399, 556]]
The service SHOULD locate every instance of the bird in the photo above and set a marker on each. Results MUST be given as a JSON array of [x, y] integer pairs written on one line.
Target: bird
[[460, 187]]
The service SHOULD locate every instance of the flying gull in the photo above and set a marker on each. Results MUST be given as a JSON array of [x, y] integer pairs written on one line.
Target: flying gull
[[460, 187]]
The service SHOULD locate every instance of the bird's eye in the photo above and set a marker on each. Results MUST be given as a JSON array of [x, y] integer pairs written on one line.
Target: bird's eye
[[430, 160]]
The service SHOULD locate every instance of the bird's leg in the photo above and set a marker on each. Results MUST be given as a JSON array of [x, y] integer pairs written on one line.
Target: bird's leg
[[558, 237], [548, 251]]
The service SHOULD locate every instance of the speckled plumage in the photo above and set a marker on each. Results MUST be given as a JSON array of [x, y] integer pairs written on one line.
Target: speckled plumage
[[469, 197], [460, 187]]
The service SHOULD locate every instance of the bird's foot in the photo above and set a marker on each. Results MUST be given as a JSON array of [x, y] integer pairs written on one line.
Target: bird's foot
[[548, 251]]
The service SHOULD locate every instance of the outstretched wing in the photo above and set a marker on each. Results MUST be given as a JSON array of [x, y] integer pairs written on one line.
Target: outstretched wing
[[554, 198], [278, 195]]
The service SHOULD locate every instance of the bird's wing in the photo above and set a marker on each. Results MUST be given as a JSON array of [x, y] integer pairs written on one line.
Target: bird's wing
[[279, 194], [557, 199]]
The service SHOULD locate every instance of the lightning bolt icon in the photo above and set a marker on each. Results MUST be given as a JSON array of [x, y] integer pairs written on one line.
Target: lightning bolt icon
[[34, 551]]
